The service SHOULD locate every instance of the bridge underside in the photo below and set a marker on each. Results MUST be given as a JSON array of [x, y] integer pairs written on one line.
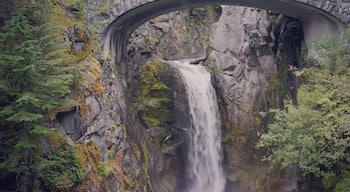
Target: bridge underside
[[316, 22]]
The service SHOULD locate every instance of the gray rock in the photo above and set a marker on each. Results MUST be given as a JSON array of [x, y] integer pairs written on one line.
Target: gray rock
[[241, 58], [241, 52], [93, 109], [164, 26], [71, 123]]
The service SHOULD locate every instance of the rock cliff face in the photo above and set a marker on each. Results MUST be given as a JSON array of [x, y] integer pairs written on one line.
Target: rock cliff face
[[249, 52], [242, 62], [141, 148], [181, 34]]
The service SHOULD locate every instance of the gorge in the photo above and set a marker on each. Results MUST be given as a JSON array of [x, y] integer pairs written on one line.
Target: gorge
[[141, 118]]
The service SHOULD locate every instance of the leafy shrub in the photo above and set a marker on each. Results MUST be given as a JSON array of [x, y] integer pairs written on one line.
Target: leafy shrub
[[315, 134]]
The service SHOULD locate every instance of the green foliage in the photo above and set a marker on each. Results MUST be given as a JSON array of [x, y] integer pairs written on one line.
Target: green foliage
[[304, 137], [343, 186], [315, 135], [61, 170], [335, 52], [34, 80], [33, 71], [340, 183]]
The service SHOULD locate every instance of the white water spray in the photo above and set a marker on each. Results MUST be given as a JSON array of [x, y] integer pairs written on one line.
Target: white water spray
[[205, 153]]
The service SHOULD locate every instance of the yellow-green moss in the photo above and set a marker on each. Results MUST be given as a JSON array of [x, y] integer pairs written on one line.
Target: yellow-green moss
[[145, 156], [104, 8], [90, 83], [154, 95], [89, 154], [98, 171]]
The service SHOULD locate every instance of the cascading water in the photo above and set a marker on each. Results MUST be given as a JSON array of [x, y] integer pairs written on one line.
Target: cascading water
[[205, 171]]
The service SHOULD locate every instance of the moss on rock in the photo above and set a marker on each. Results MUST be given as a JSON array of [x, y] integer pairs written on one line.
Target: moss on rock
[[155, 96]]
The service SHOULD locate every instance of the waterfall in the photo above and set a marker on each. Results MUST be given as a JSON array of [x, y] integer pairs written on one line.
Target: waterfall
[[205, 173]]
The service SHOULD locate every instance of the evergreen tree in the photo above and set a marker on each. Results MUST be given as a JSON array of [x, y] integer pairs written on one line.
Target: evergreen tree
[[34, 78]]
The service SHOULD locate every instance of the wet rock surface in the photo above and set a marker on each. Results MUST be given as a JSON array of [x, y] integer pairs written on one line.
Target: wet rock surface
[[248, 54], [241, 50]]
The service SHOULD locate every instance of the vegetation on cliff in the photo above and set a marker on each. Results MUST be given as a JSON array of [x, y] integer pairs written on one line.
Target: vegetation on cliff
[[155, 96], [37, 72], [314, 135], [36, 75]]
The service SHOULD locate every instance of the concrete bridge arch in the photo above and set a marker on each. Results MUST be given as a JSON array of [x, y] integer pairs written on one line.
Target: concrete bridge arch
[[318, 17]]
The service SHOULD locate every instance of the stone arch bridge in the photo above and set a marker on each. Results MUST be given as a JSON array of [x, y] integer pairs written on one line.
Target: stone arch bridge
[[318, 17]]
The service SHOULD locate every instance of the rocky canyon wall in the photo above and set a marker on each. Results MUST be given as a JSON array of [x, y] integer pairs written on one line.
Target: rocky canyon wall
[[251, 52], [137, 118]]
